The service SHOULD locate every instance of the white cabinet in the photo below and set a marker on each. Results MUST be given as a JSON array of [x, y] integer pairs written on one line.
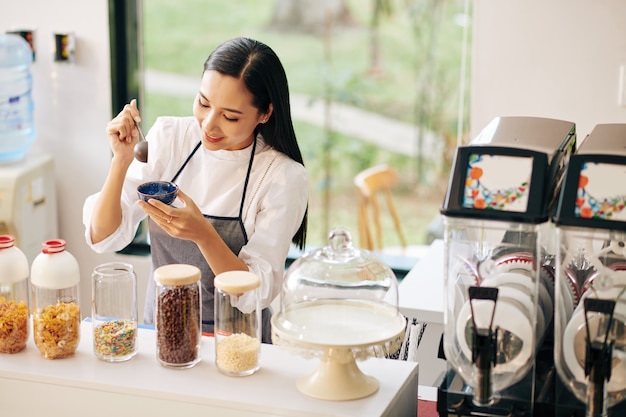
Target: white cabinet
[[84, 385]]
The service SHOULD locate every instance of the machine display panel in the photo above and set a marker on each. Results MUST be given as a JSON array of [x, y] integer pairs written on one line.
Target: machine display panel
[[497, 182], [599, 193]]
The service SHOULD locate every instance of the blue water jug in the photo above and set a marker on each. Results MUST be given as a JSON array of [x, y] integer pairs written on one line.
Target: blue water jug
[[17, 129]]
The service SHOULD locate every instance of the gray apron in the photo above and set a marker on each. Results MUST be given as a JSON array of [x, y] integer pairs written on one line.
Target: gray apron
[[167, 250]]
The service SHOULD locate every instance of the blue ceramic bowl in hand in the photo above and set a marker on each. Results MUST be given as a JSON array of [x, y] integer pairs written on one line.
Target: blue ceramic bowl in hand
[[163, 191]]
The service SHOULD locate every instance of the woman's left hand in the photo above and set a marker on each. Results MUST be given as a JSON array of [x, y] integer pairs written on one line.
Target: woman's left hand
[[186, 222]]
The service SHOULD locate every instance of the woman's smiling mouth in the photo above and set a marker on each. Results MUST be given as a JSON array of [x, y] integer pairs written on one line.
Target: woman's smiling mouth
[[213, 139]]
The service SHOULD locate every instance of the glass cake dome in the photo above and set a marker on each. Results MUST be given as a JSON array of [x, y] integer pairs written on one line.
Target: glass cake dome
[[340, 304]]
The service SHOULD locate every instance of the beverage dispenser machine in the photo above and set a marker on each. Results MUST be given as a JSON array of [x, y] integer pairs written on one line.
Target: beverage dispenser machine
[[590, 308], [499, 266]]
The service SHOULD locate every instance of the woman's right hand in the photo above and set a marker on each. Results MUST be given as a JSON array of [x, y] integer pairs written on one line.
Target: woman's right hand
[[123, 133]]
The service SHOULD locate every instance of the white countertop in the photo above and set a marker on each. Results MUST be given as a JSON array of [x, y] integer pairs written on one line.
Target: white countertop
[[421, 296], [421, 292], [31, 384]]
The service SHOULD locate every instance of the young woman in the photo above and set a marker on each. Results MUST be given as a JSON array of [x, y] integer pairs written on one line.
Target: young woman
[[243, 188]]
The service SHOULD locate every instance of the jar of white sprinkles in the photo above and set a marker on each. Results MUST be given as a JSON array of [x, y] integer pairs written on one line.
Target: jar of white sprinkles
[[237, 323]]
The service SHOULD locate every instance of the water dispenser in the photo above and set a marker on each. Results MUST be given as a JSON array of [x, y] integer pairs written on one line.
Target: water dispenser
[[499, 266], [590, 327], [17, 128], [28, 202]]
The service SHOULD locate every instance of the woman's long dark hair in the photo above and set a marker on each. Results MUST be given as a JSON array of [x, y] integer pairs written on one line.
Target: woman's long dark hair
[[264, 76]]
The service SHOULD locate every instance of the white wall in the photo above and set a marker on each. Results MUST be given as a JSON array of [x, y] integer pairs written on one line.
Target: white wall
[[72, 108], [557, 59]]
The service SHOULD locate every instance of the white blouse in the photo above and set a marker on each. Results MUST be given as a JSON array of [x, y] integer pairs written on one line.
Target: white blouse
[[275, 201]]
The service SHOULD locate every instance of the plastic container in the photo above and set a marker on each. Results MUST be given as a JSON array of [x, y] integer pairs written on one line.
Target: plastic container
[[114, 311], [14, 306], [17, 129], [178, 316], [237, 323], [56, 310]]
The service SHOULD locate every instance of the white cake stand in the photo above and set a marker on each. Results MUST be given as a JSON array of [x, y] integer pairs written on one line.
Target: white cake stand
[[339, 332]]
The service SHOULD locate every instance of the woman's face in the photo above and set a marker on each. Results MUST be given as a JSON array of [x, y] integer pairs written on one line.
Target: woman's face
[[224, 111]]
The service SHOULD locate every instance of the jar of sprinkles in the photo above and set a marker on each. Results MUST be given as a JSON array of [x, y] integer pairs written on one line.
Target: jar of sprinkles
[[14, 288], [114, 311], [55, 276], [178, 317], [237, 323]]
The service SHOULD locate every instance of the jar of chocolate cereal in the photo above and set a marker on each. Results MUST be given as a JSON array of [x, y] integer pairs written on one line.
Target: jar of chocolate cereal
[[56, 310], [178, 316], [237, 323], [14, 288]]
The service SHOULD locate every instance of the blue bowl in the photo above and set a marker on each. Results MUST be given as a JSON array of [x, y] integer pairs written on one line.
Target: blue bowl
[[163, 191]]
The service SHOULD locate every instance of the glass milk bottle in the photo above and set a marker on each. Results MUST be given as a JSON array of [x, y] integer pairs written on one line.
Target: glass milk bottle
[[14, 308], [237, 323], [178, 316], [114, 311], [56, 311]]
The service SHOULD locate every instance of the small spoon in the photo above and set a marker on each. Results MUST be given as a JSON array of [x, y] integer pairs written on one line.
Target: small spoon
[[141, 148]]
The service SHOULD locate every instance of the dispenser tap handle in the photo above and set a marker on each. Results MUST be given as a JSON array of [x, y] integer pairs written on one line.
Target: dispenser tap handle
[[599, 354], [484, 340]]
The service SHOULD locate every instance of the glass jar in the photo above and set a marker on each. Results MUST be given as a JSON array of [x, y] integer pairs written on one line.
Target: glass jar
[[237, 323], [56, 310], [114, 311], [178, 316], [14, 308]]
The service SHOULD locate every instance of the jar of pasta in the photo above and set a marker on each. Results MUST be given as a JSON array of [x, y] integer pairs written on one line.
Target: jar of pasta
[[237, 323], [178, 316], [114, 311], [56, 311], [14, 307]]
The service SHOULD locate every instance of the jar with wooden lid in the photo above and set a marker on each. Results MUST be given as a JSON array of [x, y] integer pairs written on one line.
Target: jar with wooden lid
[[178, 316], [237, 323], [55, 278], [14, 288]]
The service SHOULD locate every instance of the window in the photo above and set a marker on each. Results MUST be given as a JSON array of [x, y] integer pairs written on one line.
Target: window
[[377, 84]]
